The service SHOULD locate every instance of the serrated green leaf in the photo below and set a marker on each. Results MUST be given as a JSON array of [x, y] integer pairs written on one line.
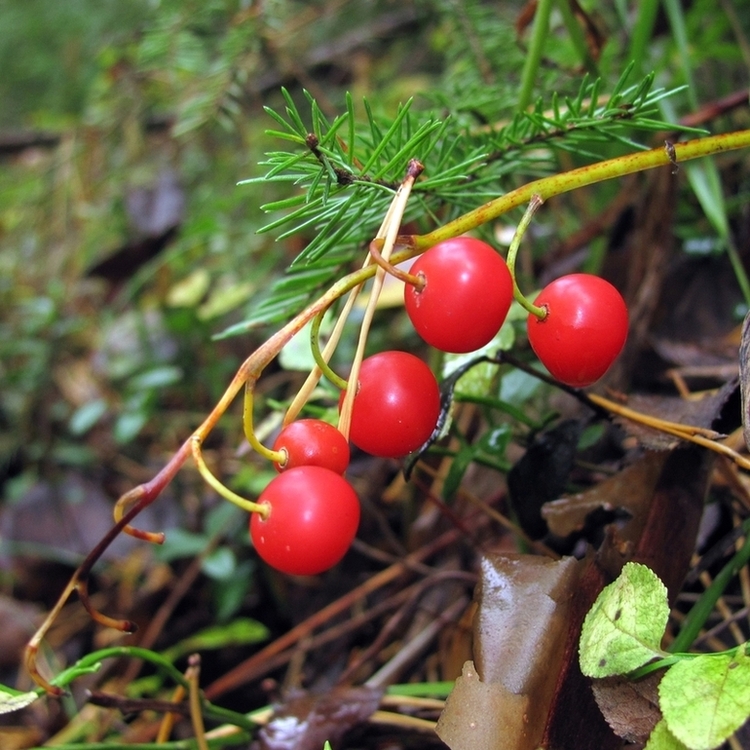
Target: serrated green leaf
[[624, 628], [662, 739], [706, 699]]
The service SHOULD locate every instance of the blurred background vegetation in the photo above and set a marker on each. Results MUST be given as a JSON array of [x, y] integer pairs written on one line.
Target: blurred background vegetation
[[125, 244], [127, 248]]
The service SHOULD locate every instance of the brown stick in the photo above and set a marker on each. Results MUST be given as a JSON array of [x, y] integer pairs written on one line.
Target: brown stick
[[251, 667]]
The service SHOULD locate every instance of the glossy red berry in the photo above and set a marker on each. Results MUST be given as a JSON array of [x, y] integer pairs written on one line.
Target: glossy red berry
[[313, 517], [465, 298], [584, 330], [397, 404], [312, 442]]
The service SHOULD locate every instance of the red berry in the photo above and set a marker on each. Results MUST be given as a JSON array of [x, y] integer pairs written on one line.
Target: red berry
[[397, 404], [584, 330], [313, 517], [465, 298], [313, 442]]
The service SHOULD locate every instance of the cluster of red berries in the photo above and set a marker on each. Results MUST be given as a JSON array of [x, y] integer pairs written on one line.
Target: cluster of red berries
[[458, 300], [313, 511], [466, 290]]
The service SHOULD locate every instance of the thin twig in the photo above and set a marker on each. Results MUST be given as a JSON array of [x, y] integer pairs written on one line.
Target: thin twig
[[247, 670], [196, 714]]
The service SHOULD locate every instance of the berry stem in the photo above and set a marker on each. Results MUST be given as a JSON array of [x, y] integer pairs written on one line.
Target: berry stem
[[389, 228], [388, 267], [312, 379], [318, 356], [534, 205], [278, 457], [215, 484]]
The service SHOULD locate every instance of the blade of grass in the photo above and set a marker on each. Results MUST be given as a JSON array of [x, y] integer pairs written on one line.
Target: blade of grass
[[534, 56]]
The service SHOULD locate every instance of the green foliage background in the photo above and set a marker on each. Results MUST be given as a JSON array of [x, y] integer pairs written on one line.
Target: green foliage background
[[221, 92], [127, 90]]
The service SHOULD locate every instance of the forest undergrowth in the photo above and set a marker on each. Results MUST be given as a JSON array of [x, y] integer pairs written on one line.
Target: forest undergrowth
[[212, 217]]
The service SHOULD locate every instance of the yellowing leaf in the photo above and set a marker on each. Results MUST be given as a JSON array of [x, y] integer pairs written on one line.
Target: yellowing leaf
[[15, 701], [706, 699], [624, 628]]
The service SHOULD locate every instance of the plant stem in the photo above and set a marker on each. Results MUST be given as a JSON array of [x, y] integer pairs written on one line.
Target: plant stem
[[225, 492], [389, 231], [196, 713], [523, 225], [557, 184], [247, 427], [534, 55], [401, 275], [318, 356], [116, 652], [704, 606]]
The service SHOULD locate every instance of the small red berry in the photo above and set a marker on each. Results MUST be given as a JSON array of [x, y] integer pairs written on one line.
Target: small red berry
[[466, 294], [584, 330], [312, 519], [397, 405], [312, 442]]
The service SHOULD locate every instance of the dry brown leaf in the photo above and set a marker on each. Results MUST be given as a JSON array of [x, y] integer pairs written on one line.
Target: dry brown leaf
[[306, 720], [484, 715], [628, 490], [702, 412], [630, 707], [520, 629]]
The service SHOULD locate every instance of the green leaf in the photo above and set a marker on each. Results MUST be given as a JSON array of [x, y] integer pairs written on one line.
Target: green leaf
[[240, 632], [478, 379], [180, 543], [156, 377], [662, 739], [458, 467], [128, 425], [14, 700], [706, 699], [87, 415], [517, 387], [220, 564], [229, 596], [624, 628]]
